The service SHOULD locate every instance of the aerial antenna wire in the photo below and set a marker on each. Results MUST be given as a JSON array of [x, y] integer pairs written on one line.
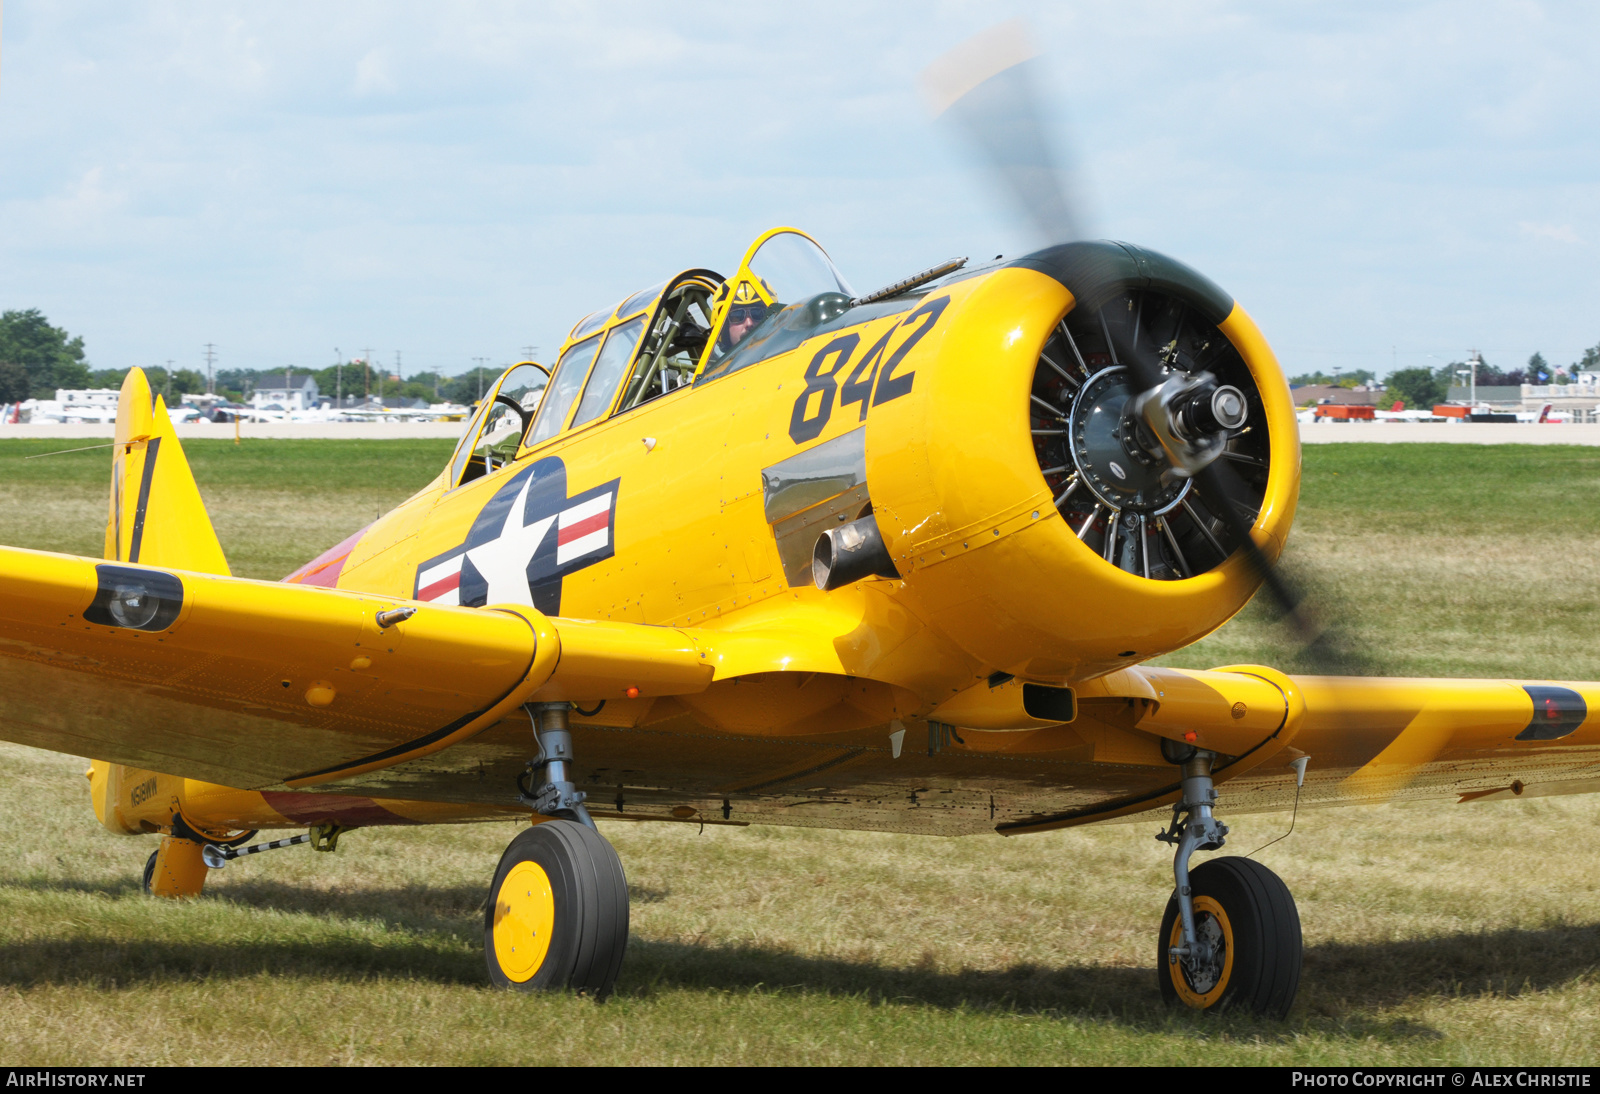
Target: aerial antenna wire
[[1299, 765], [64, 451]]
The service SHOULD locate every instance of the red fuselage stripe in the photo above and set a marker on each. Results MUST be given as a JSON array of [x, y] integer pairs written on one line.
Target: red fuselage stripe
[[584, 527], [440, 587]]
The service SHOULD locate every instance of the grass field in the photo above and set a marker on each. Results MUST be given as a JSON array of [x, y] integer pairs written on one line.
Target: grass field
[[1435, 933]]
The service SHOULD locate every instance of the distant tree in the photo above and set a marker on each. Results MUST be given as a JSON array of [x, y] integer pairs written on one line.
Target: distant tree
[[235, 379], [51, 356], [464, 389], [1353, 378], [1590, 361], [1459, 374], [187, 381], [14, 383], [1418, 387], [430, 380], [1489, 376]]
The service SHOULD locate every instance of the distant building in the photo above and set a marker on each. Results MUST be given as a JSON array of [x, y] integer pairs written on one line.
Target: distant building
[[94, 396], [1580, 401], [388, 402], [300, 394], [1490, 394], [1311, 394]]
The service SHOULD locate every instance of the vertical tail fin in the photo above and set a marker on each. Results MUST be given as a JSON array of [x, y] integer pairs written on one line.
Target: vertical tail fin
[[157, 517]]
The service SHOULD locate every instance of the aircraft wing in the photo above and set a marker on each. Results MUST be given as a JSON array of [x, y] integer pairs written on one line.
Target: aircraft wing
[[1375, 739], [262, 685], [257, 684], [1366, 739]]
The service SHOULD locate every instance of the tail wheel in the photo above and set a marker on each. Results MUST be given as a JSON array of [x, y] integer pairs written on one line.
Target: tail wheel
[[557, 918], [1247, 913], [149, 872]]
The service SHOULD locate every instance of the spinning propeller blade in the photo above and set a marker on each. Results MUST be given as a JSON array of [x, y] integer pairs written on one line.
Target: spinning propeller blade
[[985, 88]]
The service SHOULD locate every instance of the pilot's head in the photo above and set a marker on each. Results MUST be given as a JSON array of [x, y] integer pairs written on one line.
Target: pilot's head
[[745, 313], [744, 318]]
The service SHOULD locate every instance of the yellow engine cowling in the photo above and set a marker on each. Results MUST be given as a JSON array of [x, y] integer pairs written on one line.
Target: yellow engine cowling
[[968, 515]]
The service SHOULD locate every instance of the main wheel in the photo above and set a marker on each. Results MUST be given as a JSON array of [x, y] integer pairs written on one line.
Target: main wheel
[[1245, 910], [557, 918]]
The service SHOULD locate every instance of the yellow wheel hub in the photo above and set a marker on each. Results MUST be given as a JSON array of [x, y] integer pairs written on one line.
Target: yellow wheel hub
[[524, 917], [1210, 921]]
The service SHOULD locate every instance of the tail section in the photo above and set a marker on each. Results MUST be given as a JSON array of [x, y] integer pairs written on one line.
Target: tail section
[[157, 517]]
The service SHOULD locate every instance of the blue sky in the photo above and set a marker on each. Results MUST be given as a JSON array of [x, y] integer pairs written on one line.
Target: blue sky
[[1379, 184]]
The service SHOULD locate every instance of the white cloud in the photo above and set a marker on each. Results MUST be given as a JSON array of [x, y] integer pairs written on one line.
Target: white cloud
[[459, 180], [1561, 233], [372, 74]]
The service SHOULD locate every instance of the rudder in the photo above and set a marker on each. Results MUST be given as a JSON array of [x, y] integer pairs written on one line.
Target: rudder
[[157, 516]]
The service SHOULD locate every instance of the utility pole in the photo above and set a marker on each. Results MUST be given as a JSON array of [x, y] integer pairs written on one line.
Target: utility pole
[[211, 357], [530, 353], [338, 377], [480, 361], [397, 373], [1475, 360], [366, 371], [169, 381]]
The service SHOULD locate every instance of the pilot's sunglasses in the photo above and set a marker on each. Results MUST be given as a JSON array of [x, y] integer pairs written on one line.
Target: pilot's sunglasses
[[747, 314]]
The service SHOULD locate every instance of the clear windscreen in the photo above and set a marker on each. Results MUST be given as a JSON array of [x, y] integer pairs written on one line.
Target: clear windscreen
[[795, 268], [571, 371], [607, 371], [505, 424]]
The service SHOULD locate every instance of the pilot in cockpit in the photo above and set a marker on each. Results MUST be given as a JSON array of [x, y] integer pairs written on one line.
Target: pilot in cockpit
[[744, 315], [742, 319]]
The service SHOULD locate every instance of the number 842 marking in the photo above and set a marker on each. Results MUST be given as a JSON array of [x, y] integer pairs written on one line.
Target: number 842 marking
[[872, 381]]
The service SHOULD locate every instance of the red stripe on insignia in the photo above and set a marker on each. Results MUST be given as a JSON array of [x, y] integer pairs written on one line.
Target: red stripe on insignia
[[440, 587], [584, 527]]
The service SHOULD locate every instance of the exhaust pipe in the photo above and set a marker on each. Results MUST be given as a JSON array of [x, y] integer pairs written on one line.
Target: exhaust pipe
[[849, 553]]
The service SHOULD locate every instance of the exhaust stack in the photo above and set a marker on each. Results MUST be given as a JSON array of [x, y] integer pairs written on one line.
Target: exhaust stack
[[849, 553]]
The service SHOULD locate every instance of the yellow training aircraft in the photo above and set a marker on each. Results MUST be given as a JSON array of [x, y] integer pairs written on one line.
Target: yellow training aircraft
[[762, 550]]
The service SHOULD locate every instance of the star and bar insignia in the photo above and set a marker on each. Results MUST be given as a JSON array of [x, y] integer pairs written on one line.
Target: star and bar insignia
[[527, 538]]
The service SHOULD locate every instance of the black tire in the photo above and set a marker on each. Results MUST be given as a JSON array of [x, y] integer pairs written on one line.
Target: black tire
[[149, 872], [580, 919], [1262, 972]]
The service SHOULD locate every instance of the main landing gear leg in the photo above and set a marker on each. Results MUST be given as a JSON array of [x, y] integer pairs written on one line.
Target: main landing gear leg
[[1231, 934], [557, 796], [557, 917]]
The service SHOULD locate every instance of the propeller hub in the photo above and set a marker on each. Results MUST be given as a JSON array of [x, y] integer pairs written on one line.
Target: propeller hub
[[1141, 412], [1211, 408], [1118, 457]]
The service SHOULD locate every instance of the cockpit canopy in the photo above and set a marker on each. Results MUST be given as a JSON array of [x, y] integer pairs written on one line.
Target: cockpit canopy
[[670, 336], [782, 267]]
